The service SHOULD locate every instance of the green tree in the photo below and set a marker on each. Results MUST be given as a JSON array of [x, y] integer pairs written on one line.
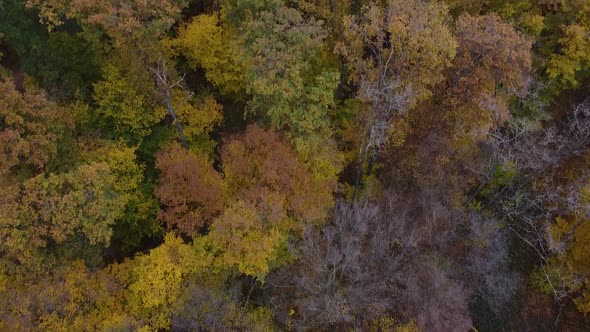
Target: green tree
[[138, 219], [574, 56], [124, 106], [200, 116], [291, 89]]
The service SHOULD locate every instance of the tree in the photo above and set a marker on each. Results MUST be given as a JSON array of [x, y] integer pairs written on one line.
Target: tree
[[200, 117], [125, 23], [397, 53], [440, 301], [329, 11], [348, 272], [127, 36], [75, 297], [261, 168], [291, 88], [206, 44], [30, 127], [60, 61], [213, 309], [271, 194], [569, 64], [157, 280], [493, 61], [574, 57], [365, 264], [545, 204], [165, 87], [189, 189], [247, 239], [59, 217], [487, 262], [125, 106], [138, 220], [568, 270]]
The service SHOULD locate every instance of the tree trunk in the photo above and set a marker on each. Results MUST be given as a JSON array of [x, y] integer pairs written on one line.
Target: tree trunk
[[11, 61], [178, 125]]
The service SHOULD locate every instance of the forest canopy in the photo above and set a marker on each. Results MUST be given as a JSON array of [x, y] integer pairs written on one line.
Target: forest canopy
[[262, 165]]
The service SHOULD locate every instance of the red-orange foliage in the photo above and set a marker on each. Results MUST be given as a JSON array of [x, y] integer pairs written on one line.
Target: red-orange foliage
[[490, 52], [261, 168], [189, 189]]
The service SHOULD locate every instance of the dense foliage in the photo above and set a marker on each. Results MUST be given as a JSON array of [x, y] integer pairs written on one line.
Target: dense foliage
[[380, 165]]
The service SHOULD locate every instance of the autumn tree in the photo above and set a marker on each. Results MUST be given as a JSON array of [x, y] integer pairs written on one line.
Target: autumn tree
[[397, 53], [74, 297], [493, 62], [328, 11], [260, 167], [206, 44], [125, 105], [59, 216], [289, 79], [568, 66], [189, 189], [156, 280], [290, 87], [30, 128], [272, 193], [248, 239], [200, 115], [124, 23]]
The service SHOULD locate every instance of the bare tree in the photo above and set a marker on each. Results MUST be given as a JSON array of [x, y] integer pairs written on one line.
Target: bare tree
[[349, 271], [533, 199], [487, 262], [165, 87], [367, 263], [393, 68], [439, 302], [536, 151]]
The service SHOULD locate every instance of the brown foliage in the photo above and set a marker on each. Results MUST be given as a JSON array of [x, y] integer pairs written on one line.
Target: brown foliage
[[123, 21], [262, 169], [491, 54], [27, 138], [189, 188]]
